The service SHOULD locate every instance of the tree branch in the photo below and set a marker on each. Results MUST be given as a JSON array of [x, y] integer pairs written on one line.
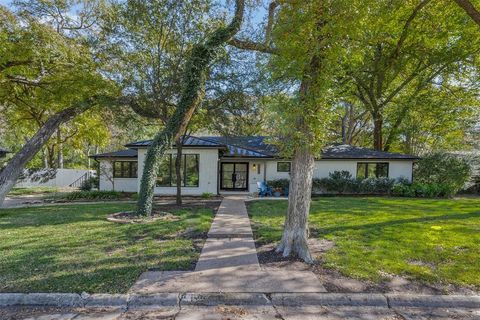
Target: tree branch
[[265, 46], [470, 10]]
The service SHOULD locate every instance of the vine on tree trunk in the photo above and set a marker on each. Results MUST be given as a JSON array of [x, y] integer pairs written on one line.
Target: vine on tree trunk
[[192, 94]]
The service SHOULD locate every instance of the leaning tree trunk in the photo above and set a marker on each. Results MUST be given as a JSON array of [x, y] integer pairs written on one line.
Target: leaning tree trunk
[[10, 173], [194, 79], [295, 231], [59, 150], [178, 170]]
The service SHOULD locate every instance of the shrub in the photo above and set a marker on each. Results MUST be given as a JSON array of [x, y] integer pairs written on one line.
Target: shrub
[[93, 195], [337, 181], [443, 169], [279, 183], [207, 195], [89, 184], [423, 190], [376, 185]]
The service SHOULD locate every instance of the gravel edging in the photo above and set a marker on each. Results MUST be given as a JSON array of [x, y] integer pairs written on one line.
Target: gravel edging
[[133, 301]]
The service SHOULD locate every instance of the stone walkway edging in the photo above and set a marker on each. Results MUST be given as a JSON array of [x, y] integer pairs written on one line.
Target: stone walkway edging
[[133, 301]]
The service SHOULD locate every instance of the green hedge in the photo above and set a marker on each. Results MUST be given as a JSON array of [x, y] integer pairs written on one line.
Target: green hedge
[[342, 182], [94, 195], [424, 190]]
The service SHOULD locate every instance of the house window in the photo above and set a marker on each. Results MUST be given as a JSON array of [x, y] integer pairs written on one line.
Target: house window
[[372, 170], [189, 168], [125, 169], [283, 166]]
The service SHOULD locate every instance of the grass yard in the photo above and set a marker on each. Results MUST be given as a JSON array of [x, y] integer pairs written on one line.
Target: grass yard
[[32, 191], [72, 248], [435, 241]]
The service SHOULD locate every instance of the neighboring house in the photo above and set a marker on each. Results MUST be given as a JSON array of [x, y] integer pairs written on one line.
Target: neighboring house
[[235, 164]]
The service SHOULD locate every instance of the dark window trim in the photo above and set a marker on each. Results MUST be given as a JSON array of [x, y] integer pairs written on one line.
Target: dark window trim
[[289, 166], [184, 182], [247, 179], [123, 164], [373, 162]]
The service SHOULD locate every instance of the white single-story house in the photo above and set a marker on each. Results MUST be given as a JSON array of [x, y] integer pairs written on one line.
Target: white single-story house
[[235, 164]]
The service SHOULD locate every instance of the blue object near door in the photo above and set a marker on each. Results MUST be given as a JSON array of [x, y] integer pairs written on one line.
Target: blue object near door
[[263, 189]]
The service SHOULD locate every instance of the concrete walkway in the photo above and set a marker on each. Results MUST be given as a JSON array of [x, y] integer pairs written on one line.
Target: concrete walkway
[[228, 263]]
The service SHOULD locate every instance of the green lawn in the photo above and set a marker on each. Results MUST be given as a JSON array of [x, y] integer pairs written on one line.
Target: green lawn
[[32, 191], [72, 248], [428, 240]]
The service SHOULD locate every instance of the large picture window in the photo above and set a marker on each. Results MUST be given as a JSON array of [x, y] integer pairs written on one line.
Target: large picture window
[[189, 169], [283, 166], [125, 169], [372, 170]]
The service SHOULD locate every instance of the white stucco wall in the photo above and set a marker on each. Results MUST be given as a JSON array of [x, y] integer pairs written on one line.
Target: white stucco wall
[[208, 162], [59, 178], [117, 184], [397, 168]]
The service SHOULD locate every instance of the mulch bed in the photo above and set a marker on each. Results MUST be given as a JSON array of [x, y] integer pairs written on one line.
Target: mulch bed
[[161, 212]]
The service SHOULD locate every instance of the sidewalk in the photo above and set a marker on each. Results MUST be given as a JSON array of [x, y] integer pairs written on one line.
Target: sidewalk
[[228, 263]]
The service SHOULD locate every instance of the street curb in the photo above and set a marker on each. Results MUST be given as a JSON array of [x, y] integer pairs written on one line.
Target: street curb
[[213, 299], [329, 299], [41, 299], [134, 301], [429, 301], [105, 300]]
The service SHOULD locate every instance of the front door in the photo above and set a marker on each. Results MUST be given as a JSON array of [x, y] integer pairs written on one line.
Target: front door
[[234, 176]]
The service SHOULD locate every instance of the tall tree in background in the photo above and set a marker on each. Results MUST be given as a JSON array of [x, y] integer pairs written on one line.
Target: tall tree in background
[[147, 44], [45, 72], [193, 86], [408, 47]]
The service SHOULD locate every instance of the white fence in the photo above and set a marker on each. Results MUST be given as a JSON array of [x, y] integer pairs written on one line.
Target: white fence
[[51, 177]]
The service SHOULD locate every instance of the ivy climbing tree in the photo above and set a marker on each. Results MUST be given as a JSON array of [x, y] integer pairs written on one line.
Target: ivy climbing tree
[[193, 90]]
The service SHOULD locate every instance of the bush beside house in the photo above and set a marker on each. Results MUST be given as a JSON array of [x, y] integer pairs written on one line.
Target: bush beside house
[[442, 171]]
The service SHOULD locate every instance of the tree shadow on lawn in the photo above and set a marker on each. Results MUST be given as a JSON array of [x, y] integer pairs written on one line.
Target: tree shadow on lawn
[[376, 225], [42, 270], [56, 215]]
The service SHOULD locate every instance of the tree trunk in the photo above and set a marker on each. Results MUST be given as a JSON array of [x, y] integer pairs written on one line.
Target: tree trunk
[[295, 231], [59, 150], [193, 91], [377, 132], [10, 173], [178, 170], [470, 10]]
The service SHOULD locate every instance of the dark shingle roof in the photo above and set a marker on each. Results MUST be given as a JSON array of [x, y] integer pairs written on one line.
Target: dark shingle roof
[[246, 147], [345, 151], [190, 141], [257, 147], [129, 153]]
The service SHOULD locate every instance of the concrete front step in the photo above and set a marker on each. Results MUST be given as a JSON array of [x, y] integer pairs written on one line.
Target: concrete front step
[[232, 279]]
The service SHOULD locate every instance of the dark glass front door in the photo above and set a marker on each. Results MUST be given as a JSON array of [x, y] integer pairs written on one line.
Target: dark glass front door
[[234, 176]]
